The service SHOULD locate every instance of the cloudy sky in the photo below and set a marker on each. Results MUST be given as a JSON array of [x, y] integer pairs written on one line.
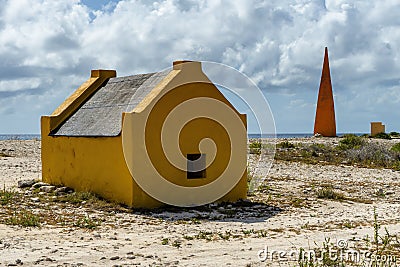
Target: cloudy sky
[[47, 49]]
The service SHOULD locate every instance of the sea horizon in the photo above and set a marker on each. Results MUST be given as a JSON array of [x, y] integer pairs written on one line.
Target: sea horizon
[[250, 136]]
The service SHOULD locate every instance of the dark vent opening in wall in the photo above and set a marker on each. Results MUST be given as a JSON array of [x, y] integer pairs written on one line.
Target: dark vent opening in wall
[[196, 166]]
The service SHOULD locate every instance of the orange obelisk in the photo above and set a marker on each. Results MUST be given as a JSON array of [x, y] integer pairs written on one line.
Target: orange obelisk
[[325, 123]]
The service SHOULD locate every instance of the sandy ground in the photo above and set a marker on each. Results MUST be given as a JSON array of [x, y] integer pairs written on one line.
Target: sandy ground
[[292, 218]]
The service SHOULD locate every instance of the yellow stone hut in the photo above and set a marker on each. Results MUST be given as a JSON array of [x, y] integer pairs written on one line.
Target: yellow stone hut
[[147, 140], [377, 128]]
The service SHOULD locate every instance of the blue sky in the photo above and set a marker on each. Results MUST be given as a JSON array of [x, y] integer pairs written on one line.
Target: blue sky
[[97, 4], [47, 49]]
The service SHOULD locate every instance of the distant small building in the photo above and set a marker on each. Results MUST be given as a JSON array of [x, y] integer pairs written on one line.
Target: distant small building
[[112, 135], [376, 128], [325, 123]]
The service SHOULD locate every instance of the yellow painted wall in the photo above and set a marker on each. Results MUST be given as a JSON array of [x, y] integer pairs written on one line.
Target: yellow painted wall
[[142, 136], [190, 137], [87, 164]]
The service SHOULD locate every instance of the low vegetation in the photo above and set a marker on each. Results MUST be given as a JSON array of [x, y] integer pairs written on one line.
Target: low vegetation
[[327, 192], [6, 196], [86, 222], [382, 136], [24, 218], [255, 147], [78, 198], [285, 144], [351, 150], [395, 148], [351, 141], [32, 208], [383, 250]]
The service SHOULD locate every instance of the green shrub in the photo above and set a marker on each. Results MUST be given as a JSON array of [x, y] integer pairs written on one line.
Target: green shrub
[[396, 166], [351, 141], [6, 196], [394, 134], [24, 218], [318, 147], [285, 144], [329, 193], [382, 136], [395, 148], [86, 222], [372, 154], [255, 147]]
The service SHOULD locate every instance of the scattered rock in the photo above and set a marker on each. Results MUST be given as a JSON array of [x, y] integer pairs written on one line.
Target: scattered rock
[[97, 235], [64, 189], [26, 183], [380, 192], [39, 184], [43, 259], [114, 258], [47, 188], [307, 190], [35, 199]]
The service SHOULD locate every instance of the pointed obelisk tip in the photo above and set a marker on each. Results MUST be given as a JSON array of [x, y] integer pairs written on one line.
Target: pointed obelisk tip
[[325, 123]]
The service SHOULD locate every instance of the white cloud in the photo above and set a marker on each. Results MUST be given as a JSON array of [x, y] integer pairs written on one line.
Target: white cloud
[[48, 47]]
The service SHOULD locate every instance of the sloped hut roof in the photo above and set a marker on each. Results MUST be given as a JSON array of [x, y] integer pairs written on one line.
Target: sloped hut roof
[[101, 114]]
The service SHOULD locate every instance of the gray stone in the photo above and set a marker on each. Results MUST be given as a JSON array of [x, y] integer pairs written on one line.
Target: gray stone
[[64, 189], [26, 183], [40, 184], [35, 199], [47, 188], [380, 192]]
